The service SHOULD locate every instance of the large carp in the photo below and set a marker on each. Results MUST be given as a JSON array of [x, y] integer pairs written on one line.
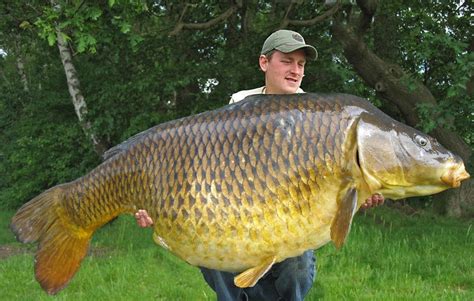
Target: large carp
[[242, 187]]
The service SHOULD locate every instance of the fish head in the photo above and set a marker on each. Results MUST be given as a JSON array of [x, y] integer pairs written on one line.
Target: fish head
[[400, 161]]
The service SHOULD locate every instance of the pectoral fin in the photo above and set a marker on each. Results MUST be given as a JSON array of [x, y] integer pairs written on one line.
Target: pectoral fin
[[341, 224], [250, 277]]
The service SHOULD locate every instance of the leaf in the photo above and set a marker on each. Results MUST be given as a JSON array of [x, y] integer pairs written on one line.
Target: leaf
[[135, 40], [125, 27], [65, 36], [95, 13], [51, 39], [25, 25], [81, 45]]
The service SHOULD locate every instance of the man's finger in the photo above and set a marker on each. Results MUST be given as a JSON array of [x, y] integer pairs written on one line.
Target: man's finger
[[149, 221]]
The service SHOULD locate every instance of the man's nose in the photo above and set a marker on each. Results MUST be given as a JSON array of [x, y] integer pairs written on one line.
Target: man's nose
[[296, 69]]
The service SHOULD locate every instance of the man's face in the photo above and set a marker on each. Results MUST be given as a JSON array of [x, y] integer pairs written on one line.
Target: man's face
[[283, 71]]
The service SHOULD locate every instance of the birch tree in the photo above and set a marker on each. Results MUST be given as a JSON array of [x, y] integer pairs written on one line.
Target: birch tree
[[73, 84], [74, 87]]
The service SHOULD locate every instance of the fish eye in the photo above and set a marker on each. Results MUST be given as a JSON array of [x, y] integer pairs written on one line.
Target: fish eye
[[422, 141]]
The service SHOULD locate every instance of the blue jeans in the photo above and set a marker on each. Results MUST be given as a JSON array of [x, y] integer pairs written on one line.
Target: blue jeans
[[288, 280]]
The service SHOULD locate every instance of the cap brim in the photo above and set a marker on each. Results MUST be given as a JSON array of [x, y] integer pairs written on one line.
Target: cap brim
[[310, 51]]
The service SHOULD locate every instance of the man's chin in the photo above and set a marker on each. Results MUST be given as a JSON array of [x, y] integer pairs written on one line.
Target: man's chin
[[287, 89], [290, 89]]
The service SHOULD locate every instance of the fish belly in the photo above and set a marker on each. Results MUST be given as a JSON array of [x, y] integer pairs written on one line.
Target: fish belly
[[241, 241]]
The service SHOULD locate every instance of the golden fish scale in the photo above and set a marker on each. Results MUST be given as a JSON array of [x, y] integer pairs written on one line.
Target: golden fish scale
[[229, 188]]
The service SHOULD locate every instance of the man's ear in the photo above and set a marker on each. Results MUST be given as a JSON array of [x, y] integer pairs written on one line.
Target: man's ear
[[263, 62]]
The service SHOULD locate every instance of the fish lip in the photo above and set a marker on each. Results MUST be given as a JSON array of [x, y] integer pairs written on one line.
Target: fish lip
[[455, 175]]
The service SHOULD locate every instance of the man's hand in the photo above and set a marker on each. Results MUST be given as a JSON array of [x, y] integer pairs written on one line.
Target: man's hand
[[373, 201], [143, 219]]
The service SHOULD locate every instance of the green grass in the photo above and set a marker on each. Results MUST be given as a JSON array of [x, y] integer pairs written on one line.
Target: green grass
[[388, 256]]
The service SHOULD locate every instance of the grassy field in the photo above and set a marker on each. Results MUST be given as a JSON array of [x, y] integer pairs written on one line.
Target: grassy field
[[389, 256]]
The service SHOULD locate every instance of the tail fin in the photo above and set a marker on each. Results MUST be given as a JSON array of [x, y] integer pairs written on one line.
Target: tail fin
[[62, 246]]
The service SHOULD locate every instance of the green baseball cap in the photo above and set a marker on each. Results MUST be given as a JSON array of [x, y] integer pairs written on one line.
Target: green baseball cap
[[288, 41]]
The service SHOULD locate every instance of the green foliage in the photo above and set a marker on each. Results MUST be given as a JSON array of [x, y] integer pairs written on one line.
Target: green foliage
[[40, 153], [433, 42], [454, 110], [42, 143], [83, 22]]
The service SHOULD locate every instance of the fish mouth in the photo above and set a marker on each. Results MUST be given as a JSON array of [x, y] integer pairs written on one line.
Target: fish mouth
[[455, 175]]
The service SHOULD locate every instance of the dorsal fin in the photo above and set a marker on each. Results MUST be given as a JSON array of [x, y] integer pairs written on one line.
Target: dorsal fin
[[124, 145]]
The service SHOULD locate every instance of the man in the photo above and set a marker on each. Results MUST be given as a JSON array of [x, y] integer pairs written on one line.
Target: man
[[282, 59]]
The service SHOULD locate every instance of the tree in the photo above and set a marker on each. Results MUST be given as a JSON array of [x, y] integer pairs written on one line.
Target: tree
[[144, 62]]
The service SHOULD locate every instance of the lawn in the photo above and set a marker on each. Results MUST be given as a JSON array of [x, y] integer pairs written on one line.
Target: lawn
[[390, 255]]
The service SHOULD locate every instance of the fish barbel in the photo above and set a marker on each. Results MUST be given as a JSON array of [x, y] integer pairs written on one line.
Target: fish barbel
[[241, 187]]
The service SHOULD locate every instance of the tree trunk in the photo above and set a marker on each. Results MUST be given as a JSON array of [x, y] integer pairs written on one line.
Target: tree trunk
[[80, 106], [21, 72], [456, 202]]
